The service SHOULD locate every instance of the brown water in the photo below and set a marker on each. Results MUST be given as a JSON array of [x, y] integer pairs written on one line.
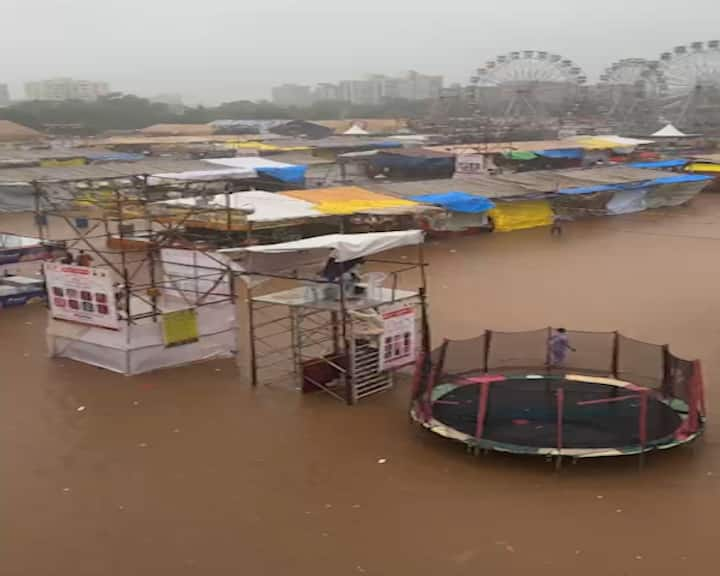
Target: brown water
[[188, 471]]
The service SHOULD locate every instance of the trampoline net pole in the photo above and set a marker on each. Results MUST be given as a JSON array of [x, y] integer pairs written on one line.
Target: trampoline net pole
[[700, 386], [486, 350], [616, 354], [560, 397], [482, 410], [667, 383], [697, 397], [643, 418], [433, 378]]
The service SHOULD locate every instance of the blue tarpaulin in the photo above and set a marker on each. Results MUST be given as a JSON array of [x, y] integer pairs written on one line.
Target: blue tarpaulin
[[674, 163], [293, 174], [457, 202], [587, 190], [675, 179], [568, 153], [112, 157], [680, 178]]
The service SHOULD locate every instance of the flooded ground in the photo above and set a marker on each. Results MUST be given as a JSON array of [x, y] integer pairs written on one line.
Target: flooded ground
[[189, 471]]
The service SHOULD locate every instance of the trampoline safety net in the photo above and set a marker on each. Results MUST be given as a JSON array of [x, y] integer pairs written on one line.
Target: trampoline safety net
[[517, 388]]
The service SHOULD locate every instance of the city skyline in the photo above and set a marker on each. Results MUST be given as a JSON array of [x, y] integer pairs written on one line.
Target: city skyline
[[209, 61]]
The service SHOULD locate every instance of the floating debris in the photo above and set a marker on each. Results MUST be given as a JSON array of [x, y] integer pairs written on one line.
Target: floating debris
[[142, 445], [81, 408], [382, 461]]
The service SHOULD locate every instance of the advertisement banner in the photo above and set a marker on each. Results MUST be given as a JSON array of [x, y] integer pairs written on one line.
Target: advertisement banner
[[180, 327], [397, 347], [81, 294]]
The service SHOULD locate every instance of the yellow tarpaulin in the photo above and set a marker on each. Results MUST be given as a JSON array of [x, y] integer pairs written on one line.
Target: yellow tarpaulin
[[63, 162], [509, 216], [263, 147], [180, 327], [700, 167], [599, 143], [346, 200]]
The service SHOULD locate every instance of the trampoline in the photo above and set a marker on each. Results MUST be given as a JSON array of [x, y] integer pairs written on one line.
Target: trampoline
[[631, 398]]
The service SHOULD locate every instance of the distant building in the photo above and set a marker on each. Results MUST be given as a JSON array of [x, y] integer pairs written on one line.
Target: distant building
[[413, 86], [326, 91], [377, 88], [363, 92], [4, 95], [292, 95], [59, 89]]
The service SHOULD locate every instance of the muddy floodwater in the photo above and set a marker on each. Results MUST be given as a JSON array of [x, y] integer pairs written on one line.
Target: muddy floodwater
[[189, 471]]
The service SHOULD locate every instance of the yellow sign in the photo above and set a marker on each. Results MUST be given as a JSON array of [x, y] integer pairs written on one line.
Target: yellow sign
[[180, 327], [50, 163]]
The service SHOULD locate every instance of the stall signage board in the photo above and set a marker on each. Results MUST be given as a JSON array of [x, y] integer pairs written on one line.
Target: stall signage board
[[81, 294], [397, 346]]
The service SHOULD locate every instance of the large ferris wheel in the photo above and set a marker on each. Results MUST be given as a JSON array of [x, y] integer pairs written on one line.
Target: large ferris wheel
[[630, 83], [692, 81], [531, 81]]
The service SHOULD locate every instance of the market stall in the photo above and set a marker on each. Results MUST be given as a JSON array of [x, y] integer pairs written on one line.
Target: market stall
[[316, 322]]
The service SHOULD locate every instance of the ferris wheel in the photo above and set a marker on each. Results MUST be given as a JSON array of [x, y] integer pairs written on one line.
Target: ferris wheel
[[692, 76], [631, 82], [534, 79]]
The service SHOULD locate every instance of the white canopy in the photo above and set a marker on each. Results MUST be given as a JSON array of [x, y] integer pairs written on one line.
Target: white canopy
[[356, 130], [624, 142], [260, 206], [669, 132], [248, 162], [206, 175], [345, 247], [309, 256]]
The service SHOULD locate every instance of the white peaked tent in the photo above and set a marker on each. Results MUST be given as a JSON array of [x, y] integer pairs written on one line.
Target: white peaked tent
[[356, 130], [670, 131]]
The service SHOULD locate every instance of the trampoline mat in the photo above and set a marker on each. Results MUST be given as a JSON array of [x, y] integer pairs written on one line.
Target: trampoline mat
[[523, 412]]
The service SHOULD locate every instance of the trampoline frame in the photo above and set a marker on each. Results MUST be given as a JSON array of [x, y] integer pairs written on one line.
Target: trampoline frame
[[431, 384]]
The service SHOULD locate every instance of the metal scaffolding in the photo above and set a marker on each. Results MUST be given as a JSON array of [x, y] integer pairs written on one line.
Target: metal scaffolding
[[313, 335]]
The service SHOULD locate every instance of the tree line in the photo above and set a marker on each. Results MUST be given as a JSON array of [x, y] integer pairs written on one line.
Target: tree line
[[129, 112]]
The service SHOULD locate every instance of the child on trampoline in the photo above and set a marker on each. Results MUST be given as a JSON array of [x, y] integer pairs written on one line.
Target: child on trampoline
[[558, 346]]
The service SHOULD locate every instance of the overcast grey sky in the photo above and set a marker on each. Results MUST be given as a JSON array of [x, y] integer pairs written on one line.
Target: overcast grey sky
[[216, 50]]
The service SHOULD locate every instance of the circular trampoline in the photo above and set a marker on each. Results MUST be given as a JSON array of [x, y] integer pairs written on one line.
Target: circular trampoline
[[555, 410]]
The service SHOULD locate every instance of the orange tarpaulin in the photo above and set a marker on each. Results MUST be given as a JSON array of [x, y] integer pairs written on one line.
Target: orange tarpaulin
[[346, 200]]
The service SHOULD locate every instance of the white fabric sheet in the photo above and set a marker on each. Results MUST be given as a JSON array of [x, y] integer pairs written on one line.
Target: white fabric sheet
[[342, 247], [627, 202], [140, 348], [205, 175], [248, 162], [261, 206]]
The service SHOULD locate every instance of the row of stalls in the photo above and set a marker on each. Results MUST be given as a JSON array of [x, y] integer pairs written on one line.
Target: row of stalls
[[506, 202]]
